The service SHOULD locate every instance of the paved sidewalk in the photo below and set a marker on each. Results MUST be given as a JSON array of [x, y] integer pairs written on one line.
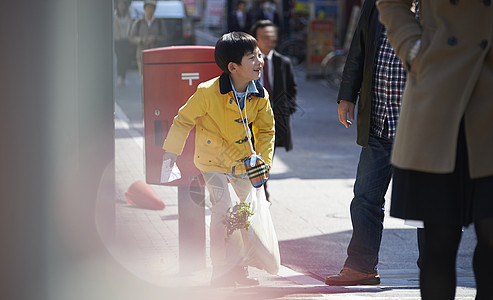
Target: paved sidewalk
[[147, 240], [310, 211]]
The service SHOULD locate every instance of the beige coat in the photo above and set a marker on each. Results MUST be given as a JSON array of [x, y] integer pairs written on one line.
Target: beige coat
[[450, 78]]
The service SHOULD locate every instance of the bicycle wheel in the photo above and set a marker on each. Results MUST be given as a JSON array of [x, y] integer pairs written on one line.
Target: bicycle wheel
[[333, 65], [295, 50]]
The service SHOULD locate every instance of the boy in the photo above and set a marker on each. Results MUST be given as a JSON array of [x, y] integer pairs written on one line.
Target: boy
[[221, 142]]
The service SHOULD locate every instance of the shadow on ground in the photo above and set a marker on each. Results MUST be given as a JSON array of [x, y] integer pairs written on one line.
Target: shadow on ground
[[268, 292], [322, 255]]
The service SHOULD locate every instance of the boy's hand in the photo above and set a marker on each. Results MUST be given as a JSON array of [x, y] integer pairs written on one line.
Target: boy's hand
[[168, 155]]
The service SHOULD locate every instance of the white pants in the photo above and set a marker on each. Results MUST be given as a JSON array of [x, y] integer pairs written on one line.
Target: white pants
[[223, 254]]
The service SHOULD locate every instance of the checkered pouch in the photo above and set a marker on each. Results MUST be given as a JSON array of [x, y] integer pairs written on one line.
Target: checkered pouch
[[257, 169]]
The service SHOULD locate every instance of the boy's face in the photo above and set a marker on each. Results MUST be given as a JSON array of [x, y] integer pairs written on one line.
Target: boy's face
[[251, 66]]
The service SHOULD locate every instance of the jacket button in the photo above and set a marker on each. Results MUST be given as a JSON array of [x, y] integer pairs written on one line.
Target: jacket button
[[208, 142], [487, 2], [452, 41], [484, 44], [230, 100]]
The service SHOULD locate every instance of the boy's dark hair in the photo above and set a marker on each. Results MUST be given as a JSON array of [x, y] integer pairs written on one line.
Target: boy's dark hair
[[261, 24], [231, 47]]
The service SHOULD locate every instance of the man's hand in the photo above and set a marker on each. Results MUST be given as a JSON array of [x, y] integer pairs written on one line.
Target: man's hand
[[345, 108], [168, 155]]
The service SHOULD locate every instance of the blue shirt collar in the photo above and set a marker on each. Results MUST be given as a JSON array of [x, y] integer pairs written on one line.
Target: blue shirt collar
[[251, 88]]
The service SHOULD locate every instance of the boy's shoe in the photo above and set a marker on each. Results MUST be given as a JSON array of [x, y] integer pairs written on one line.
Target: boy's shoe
[[223, 281], [349, 276], [241, 277], [238, 275]]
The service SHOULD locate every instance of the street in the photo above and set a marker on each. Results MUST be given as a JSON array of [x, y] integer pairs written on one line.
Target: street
[[79, 220], [311, 190]]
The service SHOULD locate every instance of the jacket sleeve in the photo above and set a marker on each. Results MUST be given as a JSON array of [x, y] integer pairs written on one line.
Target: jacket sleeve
[[184, 121], [134, 36], [291, 87], [161, 37], [264, 131], [403, 29], [116, 28], [352, 75]]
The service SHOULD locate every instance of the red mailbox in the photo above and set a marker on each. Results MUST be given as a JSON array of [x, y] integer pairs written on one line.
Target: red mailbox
[[170, 76]]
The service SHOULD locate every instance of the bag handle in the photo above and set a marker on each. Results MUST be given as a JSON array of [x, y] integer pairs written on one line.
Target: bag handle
[[245, 120]]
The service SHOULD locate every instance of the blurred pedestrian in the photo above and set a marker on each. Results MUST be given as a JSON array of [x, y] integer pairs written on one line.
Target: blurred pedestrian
[[121, 28], [374, 75], [237, 20], [148, 32], [269, 12], [254, 13], [442, 153], [279, 80]]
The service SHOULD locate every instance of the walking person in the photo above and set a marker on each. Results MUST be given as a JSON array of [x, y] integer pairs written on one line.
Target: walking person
[[121, 28], [222, 142], [148, 32], [237, 20], [278, 79], [442, 153], [375, 75], [254, 13], [269, 12]]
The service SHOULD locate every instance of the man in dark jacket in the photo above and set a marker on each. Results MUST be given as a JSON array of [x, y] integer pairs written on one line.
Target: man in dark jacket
[[238, 20], [278, 79], [375, 75]]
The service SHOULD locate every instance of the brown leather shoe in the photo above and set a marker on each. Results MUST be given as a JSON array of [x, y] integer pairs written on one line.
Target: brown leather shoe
[[349, 276]]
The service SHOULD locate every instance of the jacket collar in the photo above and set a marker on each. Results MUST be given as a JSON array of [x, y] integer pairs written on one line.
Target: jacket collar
[[225, 86]]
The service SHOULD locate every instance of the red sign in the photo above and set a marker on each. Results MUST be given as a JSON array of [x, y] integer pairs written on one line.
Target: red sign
[[320, 40]]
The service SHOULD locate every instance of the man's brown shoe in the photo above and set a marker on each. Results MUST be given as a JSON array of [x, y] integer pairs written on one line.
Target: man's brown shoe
[[349, 276]]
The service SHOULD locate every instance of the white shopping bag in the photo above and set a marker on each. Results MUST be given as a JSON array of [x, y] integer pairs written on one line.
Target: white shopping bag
[[258, 246]]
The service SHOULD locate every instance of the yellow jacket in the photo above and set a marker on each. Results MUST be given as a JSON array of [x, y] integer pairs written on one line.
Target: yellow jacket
[[221, 142]]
